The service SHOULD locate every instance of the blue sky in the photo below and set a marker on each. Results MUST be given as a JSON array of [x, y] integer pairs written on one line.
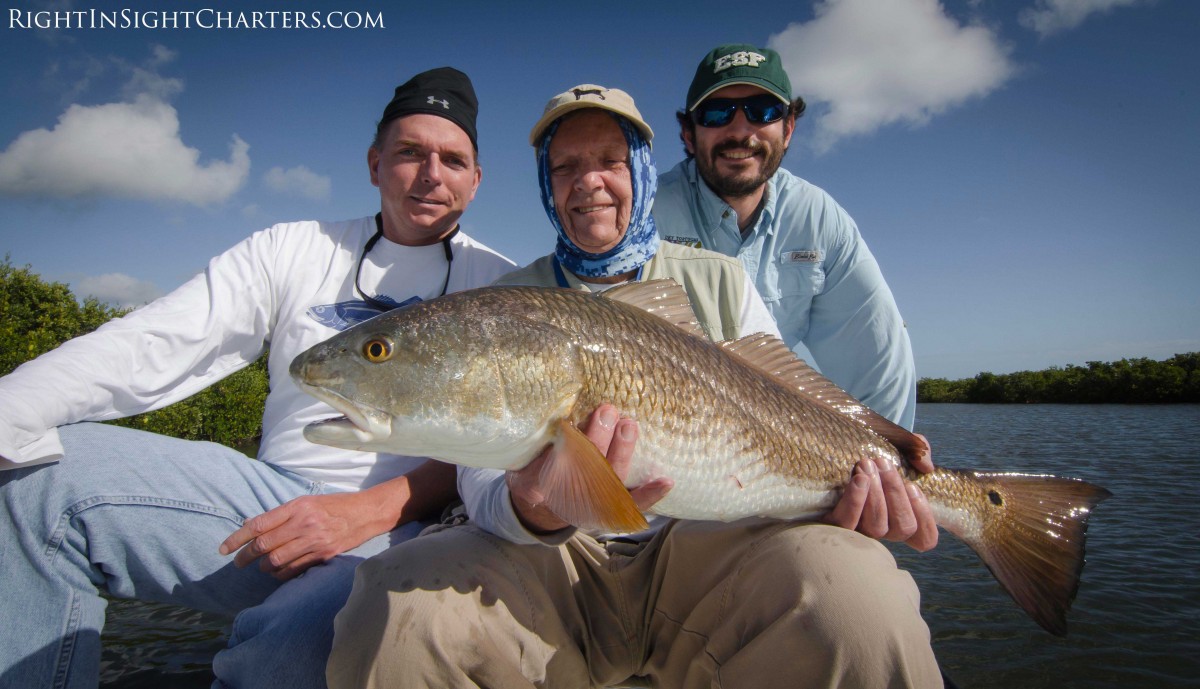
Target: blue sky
[[1025, 171]]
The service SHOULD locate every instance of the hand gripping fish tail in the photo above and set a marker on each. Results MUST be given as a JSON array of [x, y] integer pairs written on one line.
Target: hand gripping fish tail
[[490, 377]]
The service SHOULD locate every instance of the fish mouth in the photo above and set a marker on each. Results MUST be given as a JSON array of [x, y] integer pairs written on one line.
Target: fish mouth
[[358, 428]]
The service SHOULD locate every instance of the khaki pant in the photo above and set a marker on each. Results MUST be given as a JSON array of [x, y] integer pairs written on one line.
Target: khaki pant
[[755, 604]]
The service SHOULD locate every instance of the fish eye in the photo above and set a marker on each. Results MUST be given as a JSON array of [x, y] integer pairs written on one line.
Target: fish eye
[[377, 350]]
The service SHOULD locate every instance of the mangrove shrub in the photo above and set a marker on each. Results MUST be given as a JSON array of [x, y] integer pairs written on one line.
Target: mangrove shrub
[[37, 316]]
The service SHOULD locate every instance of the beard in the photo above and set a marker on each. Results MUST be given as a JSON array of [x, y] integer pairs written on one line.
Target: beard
[[737, 185]]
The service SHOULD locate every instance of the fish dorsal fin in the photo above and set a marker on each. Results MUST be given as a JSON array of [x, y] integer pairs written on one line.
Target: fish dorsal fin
[[663, 298], [769, 354], [582, 488]]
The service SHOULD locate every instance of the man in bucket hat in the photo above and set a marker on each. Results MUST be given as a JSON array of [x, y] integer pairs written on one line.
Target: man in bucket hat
[[148, 517], [517, 597]]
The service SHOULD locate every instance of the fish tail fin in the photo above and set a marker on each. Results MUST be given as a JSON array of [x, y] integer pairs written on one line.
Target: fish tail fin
[[582, 488], [1033, 537]]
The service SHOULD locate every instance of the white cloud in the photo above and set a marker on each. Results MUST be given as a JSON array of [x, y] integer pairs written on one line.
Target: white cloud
[[119, 149], [116, 288], [868, 64], [1051, 16], [129, 149], [299, 181]]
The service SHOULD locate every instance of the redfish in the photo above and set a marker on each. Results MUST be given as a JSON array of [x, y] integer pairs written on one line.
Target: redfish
[[490, 377]]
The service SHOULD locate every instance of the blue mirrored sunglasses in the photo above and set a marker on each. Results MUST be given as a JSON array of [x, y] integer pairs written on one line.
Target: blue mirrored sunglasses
[[718, 112]]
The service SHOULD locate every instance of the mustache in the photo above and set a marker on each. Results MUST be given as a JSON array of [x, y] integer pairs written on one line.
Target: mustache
[[743, 144]]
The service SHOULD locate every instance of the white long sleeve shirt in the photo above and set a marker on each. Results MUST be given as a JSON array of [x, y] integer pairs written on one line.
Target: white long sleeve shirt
[[287, 287]]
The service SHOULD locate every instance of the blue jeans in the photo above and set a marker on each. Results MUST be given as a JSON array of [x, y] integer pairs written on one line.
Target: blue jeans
[[141, 515]]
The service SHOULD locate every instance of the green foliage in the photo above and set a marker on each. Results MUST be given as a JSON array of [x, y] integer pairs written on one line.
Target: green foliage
[[228, 412], [1128, 381], [37, 316]]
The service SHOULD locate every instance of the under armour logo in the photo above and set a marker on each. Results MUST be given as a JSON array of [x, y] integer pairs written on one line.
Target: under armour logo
[[445, 103], [580, 93]]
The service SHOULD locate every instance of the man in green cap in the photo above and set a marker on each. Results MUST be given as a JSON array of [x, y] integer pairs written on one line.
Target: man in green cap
[[809, 262]]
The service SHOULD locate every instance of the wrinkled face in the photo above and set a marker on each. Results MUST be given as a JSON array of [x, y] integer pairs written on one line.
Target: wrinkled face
[[590, 178], [427, 174], [737, 159]]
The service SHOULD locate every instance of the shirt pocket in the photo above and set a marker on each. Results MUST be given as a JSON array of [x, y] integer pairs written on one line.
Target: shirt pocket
[[800, 274]]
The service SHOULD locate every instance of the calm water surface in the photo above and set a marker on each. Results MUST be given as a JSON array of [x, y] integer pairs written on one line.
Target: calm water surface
[[1135, 622]]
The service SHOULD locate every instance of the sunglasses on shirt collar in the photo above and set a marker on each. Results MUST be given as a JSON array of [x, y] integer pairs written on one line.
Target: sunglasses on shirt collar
[[760, 109]]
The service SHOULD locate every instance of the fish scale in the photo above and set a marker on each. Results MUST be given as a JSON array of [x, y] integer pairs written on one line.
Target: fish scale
[[491, 377]]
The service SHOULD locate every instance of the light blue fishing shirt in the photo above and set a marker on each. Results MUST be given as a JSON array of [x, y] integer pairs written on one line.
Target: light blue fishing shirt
[[816, 275]]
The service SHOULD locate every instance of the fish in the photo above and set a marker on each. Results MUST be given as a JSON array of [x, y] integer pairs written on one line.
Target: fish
[[491, 377]]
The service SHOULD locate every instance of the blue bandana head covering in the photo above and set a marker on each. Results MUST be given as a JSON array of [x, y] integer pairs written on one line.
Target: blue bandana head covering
[[640, 242]]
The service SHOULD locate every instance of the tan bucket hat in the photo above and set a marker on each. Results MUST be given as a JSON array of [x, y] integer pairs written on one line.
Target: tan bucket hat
[[590, 96]]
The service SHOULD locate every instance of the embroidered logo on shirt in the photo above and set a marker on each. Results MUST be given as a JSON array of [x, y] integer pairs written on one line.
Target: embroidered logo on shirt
[[684, 241], [801, 256]]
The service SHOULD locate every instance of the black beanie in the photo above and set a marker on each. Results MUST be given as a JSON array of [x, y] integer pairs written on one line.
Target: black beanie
[[445, 92]]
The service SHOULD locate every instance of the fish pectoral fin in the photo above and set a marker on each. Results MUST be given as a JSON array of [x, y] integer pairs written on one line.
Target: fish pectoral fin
[[582, 489]]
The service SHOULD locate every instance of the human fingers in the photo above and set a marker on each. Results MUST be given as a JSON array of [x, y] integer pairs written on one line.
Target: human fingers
[[901, 522], [926, 536], [874, 519], [921, 458], [848, 510], [285, 552], [296, 567], [620, 450], [254, 529], [601, 426], [262, 546], [649, 493]]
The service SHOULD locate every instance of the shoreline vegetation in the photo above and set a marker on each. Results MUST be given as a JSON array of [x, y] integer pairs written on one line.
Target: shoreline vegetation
[[1128, 381], [37, 316]]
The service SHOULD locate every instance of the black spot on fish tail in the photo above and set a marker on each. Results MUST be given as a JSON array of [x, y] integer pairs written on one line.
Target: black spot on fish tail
[[1033, 541]]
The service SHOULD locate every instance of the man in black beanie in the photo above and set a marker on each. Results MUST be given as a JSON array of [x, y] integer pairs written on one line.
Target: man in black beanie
[[444, 91], [147, 517]]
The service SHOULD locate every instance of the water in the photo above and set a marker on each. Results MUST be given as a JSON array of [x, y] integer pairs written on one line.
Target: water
[[1135, 619], [1135, 623], [155, 646]]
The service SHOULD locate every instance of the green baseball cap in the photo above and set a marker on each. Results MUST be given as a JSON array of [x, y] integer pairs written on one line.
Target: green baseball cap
[[739, 63]]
